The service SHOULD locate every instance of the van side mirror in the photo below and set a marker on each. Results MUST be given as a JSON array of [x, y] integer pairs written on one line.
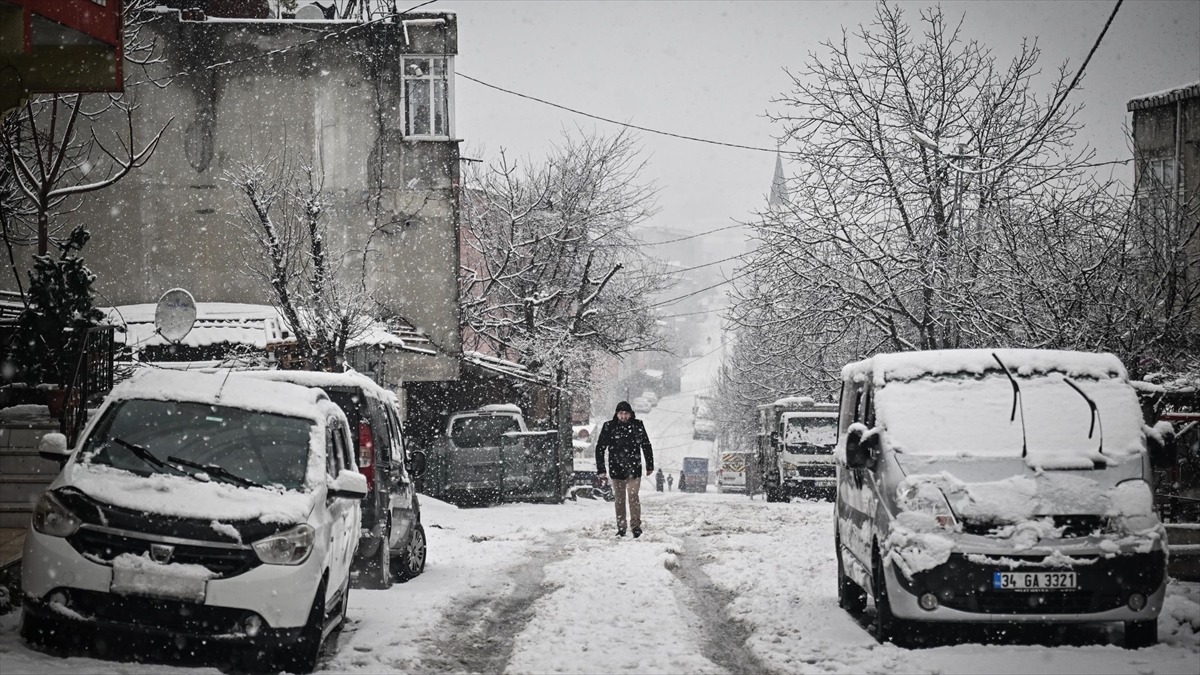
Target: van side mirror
[[775, 440], [53, 447], [417, 464], [860, 448], [1162, 449]]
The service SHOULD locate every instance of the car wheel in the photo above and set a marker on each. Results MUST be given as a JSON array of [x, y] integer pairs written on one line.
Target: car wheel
[[850, 597], [1139, 634], [302, 655], [887, 627], [412, 562], [377, 573]]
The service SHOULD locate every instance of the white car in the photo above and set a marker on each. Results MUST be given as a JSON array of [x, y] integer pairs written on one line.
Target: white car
[[641, 405], [199, 507], [651, 397]]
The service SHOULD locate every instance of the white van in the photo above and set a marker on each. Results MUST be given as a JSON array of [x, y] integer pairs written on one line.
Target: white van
[[1000, 485], [199, 506]]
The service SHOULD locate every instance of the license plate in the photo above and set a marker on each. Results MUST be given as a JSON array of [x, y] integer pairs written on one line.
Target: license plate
[[825, 482], [157, 583], [1021, 581]]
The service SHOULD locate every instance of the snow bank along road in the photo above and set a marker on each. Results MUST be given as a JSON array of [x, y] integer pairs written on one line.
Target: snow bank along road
[[719, 583]]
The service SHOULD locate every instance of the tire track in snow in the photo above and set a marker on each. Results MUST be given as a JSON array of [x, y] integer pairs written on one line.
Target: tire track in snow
[[478, 635], [724, 637]]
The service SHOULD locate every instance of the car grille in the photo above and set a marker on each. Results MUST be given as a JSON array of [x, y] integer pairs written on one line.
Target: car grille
[[1065, 602], [160, 616], [103, 546], [1074, 526], [816, 470]]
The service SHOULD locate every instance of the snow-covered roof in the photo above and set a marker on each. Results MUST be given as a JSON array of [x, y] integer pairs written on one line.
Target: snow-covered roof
[[404, 337], [216, 323], [1155, 99], [502, 367], [795, 401], [501, 407], [247, 393], [810, 414], [913, 365]]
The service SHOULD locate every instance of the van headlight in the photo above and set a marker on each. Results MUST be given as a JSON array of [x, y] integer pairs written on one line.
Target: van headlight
[[51, 518], [930, 500], [290, 547]]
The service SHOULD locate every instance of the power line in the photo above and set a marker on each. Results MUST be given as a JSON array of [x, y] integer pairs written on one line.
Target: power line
[[693, 236], [612, 121]]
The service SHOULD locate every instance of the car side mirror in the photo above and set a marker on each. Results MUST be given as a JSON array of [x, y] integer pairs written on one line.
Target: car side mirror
[[347, 485], [860, 448], [417, 464], [53, 447], [1162, 449]]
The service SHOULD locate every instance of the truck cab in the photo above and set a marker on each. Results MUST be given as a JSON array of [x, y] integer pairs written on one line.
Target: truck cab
[[796, 440]]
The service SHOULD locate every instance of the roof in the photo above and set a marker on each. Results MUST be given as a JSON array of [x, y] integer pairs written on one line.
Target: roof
[[216, 322], [280, 398], [503, 367], [1181, 93]]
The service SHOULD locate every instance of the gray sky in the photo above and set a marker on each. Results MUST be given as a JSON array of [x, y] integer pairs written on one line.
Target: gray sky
[[710, 69]]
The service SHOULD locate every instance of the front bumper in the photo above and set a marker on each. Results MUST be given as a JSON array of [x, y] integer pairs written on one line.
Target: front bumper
[[281, 595], [965, 594]]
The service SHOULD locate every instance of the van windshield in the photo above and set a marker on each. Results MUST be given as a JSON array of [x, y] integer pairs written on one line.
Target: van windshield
[[267, 449], [479, 431], [969, 415]]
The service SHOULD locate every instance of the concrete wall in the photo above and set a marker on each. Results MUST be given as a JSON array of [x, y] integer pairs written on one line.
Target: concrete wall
[[335, 104]]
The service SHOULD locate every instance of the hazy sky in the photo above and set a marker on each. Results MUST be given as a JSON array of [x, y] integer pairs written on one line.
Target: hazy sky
[[710, 69]]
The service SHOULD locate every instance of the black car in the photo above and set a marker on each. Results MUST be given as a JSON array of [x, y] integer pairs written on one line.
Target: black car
[[390, 511]]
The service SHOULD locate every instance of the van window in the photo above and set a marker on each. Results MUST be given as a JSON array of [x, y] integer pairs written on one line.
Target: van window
[[337, 458], [399, 451], [480, 431]]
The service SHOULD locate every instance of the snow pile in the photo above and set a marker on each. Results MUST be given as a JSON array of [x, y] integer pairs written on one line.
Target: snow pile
[[319, 380], [139, 575], [1179, 622], [280, 398], [916, 543], [1021, 362], [184, 497]]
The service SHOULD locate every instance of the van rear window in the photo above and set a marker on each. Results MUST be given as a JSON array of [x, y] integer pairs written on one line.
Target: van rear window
[[478, 432]]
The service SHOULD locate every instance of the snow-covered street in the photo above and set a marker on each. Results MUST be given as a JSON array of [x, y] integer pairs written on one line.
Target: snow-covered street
[[719, 583]]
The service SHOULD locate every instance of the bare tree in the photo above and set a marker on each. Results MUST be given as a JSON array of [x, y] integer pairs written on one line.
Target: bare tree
[[322, 294], [552, 273]]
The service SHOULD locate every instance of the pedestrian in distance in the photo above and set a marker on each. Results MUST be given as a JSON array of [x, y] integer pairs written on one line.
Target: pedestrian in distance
[[659, 479], [624, 440], [670, 482], [681, 477]]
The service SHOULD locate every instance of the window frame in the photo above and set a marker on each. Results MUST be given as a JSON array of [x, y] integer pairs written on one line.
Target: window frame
[[447, 78]]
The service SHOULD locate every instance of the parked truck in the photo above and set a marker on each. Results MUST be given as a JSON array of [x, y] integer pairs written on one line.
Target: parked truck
[[796, 437], [489, 455], [694, 477], [732, 476]]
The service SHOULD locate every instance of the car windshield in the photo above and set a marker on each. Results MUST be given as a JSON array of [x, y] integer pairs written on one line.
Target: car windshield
[[821, 431], [970, 415], [266, 449], [478, 431]]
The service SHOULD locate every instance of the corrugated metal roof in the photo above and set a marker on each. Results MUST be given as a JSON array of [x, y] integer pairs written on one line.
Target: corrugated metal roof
[[1164, 97]]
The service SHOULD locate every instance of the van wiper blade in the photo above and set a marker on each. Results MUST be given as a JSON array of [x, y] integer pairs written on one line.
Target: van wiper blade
[[215, 470], [1095, 413], [1017, 402]]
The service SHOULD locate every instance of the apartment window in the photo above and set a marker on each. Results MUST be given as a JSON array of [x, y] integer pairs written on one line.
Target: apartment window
[[426, 96]]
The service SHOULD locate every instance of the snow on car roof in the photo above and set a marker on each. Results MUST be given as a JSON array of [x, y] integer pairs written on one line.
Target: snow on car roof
[[220, 389], [306, 378], [501, 407], [810, 414], [913, 365]]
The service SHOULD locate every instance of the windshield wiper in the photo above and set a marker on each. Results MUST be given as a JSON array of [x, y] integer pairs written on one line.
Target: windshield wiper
[[1095, 413], [215, 470], [147, 456], [1016, 402]]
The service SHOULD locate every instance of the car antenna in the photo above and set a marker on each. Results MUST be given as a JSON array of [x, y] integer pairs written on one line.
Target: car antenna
[[222, 388], [1016, 402], [1095, 413]]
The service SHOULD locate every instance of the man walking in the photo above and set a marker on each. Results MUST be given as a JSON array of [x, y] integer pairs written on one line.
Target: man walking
[[624, 439], [659, 479], [670, 482]]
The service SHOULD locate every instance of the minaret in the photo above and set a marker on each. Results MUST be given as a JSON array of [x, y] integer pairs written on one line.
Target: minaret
[[778, 198]]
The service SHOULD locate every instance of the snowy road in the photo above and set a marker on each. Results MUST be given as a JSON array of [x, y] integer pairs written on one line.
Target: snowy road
[[719, 583]]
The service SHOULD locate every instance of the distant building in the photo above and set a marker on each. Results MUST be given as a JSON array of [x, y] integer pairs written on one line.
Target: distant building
[[369, 105], [1166, 139]]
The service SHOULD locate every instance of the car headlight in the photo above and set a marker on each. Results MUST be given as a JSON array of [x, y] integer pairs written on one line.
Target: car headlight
[[50, 517], [290, 547], [930, 500]]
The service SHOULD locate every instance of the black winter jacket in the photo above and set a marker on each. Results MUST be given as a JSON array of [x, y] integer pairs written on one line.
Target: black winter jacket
[[625, 445]]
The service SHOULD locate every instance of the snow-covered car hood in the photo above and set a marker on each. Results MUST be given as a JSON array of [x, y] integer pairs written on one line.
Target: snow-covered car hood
[[182, 497], [1007, 490]]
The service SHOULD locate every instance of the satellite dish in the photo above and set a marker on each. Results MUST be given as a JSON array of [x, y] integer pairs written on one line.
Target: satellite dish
[[310, 13], [175, 314]]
